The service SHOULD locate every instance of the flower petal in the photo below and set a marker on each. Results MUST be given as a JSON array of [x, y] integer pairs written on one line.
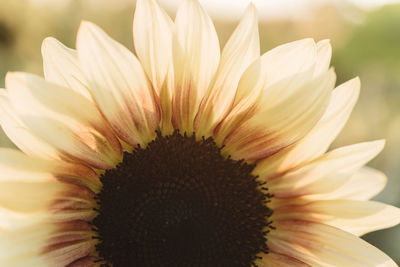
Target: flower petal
[[54, 114], [20, 134], [327, 173], [152, 32], [61, 66], [273, 259], [29, 196], [21, 247], [16, 166], [279, 125], [324, 53], [88, 261], [322, 245], [288, 59], [196, 56], [242, 48], [318, 140], [362, 185], [10, 220], [67, 253], [119, 85], [354, 216], [29, 246], [263, 82]]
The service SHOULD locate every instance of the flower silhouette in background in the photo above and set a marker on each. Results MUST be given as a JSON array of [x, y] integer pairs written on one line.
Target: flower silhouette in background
[[184, 155]]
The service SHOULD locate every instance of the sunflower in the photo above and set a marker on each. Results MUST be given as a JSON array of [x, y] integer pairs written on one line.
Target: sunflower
[[184, 156]]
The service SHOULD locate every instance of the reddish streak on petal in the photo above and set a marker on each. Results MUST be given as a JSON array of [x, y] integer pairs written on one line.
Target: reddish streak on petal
[[281, 260], [84, 262], [65, 253]]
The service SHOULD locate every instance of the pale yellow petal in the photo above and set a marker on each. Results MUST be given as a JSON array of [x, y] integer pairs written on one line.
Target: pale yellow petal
[[322, 245], [119, 85], [61, 66], [288, 59], [10, 219], [22, 247], [275, 259], [152, 33], [242, 48], [45, 245], [277, 126], [166, 102], [269, 80], [318, 140], [20, 134], [196, 56], [354, 216], [362, 185], [325, 174], [29, 196], [54, 113], [66, 253], [324, 53], [17, 166]]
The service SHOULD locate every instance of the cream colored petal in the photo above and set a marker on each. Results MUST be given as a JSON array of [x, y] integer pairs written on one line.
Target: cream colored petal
[[286, 60], [42, 198], [324, 53], [33, 190], [68, 215], [67, 253], [362, 185], [44, 245], [269, 80], [29, 196], [61, 66], [196, 56], [20, 134], [166, 102], [68, 243], [274, 259], [26, 185], [10, 220], [277, 126], [327, 173], [54, 113], [152, 33], [322, 245], [119, 85], [89, 261], [242, 48], [318, 140], [22, 247], [356, 217], [16, 166]]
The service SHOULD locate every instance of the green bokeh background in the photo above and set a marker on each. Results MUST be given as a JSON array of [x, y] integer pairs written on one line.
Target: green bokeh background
[[366, 44]]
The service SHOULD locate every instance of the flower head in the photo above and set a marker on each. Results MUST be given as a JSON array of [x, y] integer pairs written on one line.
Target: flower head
[[184, 156]]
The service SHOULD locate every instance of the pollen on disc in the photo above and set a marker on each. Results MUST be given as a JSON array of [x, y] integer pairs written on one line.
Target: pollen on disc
[[179, 203]]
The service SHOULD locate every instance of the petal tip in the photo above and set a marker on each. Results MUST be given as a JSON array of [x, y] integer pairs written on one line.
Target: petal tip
[[86, 27], [11, 77], [251, 7], [48, 44], [325, 42]]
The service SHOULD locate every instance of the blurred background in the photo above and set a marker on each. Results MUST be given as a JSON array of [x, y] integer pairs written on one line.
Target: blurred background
[[365, 36]]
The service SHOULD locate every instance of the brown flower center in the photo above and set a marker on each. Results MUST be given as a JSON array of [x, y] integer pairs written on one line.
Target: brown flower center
[[180, 203]]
